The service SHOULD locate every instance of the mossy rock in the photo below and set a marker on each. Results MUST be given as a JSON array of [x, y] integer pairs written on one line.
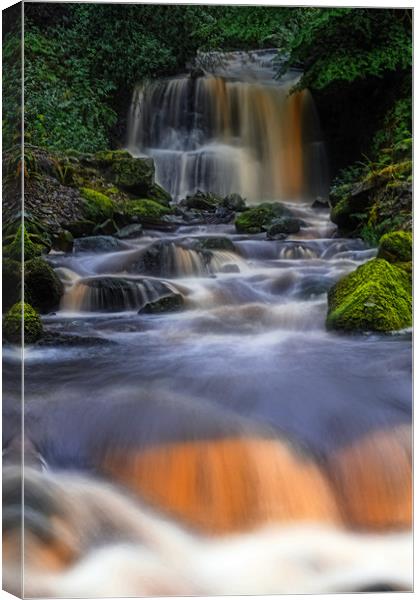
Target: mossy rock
[[135, 175], [63, 241], [159, 194], [396, 247], [215, 243], [375, 297], [43, 288], [30, 249], [146, 210], [12, 282], [202, 201], [12, 324], [260, 218], [172, 303], [97, 206]]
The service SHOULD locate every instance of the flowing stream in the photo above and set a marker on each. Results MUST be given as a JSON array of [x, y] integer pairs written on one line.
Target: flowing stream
[[248, 356]]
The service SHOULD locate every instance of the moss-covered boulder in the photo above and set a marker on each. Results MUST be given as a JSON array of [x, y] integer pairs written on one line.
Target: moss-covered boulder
[[135, 175], [43, 288], [375, 297], [396, 247], [11, 276], [12, 324], [97, 206], [159, 194], [22, 239], [202, 201], [81, 227], [63, 240], [260, 218]]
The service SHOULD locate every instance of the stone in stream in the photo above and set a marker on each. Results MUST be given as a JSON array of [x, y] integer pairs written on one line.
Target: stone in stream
[[43, 288], [130, 231], [171, 303], [261, 217], [230, 268], [99, 244], [12, 324], [283, 225]]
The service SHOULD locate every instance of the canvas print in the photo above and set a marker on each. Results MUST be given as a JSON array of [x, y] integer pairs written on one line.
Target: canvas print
[[207, 303]]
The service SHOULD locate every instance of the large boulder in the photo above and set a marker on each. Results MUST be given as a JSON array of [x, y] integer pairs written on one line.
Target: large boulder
[[135, 175], [396, 247], [261, 217], [375, 297], [12, 324], [43, 288]]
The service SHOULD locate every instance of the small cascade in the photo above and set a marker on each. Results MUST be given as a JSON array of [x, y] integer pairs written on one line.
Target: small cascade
[[244, 133], [113, 294]]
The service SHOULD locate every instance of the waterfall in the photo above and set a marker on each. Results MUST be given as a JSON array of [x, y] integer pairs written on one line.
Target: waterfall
[[244, 133]]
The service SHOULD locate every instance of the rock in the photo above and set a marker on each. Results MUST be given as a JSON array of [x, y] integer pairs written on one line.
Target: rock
[[80, 228], [135, 175], [149, 213], [196, 72], [130, 231], [108, 227], [214, 243], [375, 297], [172, 303], [278, 237], [350, 203], [11, 276], [12, 324], [97, 206], [230, 268], [55, 338], [30, 249], [99, 243], [159, 194], [63, 241], [321, 204], [202, 201], [234, 202], [396, 247], [43, 288], [259, 218], [282, 225]]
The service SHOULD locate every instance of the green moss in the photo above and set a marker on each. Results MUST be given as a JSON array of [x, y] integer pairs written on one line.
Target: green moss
[[259, 218], [146, 209], [396, 247], [11, 275], [375, 297], [12, 324], [135, 175], [30, 249], [43, 288], [98, 207], [159, 194]]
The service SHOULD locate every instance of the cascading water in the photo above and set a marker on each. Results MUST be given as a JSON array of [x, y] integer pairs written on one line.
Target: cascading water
[[235, 129]]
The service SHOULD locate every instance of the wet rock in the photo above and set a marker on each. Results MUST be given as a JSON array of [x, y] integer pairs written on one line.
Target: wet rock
[[230, 268], [234, 202], [159, 194], [135, 175], [196, 72], [80, 228], [99, 244], [171, 303], [283, 225], [202, 201], [214, 243], [108, 227], [261, 217], [321, 204], [130, 231], [55, 338], [43, 288]]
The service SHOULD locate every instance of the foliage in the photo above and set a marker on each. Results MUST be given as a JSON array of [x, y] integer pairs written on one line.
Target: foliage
[[375, 297], [345, 44], [22, 240]]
